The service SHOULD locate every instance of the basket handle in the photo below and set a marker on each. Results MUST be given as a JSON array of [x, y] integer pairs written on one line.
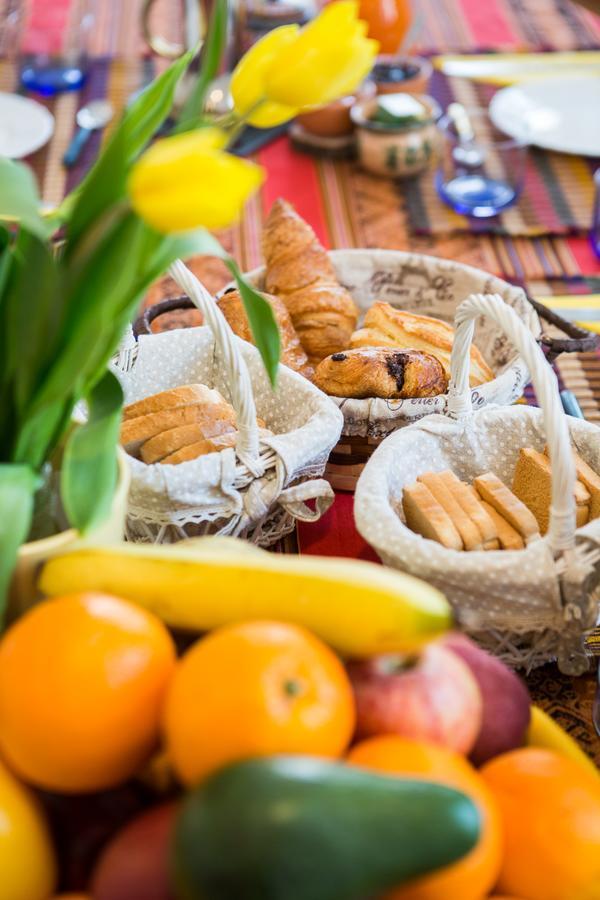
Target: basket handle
[[236, 370], [561, 531]]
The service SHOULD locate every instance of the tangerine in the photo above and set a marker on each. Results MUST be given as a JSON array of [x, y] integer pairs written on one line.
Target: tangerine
[[550, 806], [253, 689], [472, 877], [82, 681]]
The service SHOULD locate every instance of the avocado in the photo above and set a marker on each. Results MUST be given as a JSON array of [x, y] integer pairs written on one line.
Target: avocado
[[300, 828]]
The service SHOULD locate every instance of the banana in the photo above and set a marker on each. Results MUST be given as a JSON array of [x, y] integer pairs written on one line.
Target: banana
[[545, 732], [359, 608]]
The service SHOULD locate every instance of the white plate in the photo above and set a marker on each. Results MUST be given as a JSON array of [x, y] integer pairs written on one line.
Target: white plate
[[25, 126], [560, 114]]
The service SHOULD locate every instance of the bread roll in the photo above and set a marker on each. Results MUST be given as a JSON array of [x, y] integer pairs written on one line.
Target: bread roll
[[381, 372], [185, 395], [200, 448], [292, 352], [173, 439], [385, 326], [299, 271]]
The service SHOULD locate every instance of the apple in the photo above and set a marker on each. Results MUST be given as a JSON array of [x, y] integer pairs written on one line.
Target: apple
[[135, 863], [432, 696], [506, 700]]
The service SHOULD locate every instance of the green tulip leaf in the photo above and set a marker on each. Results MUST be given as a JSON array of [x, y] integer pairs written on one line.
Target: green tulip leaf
[[19, 199], [212, 52], [18, 485], [89, 467], [262, 322], [104, 184]]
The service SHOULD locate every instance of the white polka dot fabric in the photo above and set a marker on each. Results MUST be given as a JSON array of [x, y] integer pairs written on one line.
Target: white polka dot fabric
[[216, 492], [432, 287], [510, 599]]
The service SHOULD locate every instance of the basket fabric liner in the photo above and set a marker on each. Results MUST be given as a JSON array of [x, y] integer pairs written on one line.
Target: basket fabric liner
[[428, 286], [217, 487]]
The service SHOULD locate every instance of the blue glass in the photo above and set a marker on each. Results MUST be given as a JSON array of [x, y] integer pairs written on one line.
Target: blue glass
[[48, 76], [480, 172], [476, 195], [595, 229]]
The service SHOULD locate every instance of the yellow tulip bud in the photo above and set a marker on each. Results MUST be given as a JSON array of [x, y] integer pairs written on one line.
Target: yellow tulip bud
[[248, 79], [290, 69], [188, 181]]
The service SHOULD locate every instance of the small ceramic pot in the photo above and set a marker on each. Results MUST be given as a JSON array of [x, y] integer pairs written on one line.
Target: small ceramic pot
[[401, 74], [334, 120], [23, 591], [396, 151]]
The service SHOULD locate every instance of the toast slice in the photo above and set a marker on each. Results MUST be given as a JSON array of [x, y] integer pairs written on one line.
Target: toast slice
[[590, 480], [508, 537], [427, 517], [467, 529], [532, 484], [469, 502], [493, 491]]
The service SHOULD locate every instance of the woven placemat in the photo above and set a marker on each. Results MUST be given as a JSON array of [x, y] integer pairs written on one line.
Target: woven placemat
[[557, 197]]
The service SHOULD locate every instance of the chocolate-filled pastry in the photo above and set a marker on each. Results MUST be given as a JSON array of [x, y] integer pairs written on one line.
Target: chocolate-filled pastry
[[381, 372]]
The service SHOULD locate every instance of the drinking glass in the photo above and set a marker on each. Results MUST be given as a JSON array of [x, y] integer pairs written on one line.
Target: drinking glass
[[389, 22], [53, 41], [481, 175]]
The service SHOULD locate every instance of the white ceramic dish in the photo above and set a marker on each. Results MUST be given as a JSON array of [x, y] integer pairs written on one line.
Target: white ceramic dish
[[25, 126], [561, 114]]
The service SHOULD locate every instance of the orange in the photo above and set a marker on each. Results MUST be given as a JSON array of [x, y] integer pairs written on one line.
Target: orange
[[82, 681], [472, 877], [254, 689], [550, 807]]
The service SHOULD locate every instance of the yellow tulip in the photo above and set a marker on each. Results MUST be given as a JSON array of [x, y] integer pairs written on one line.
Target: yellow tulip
[[293, 69], [248, 79], [188, 181]]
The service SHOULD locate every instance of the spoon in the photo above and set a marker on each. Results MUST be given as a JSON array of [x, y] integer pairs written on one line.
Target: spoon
[[94, 115], [466, 153]]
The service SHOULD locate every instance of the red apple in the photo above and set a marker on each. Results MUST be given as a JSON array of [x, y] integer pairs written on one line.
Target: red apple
[[506, 700], [135, 863], [432, 696]]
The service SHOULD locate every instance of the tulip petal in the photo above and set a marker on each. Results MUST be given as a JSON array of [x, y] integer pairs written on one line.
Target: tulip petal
[[182, 182], [248, 79], [330, 57]]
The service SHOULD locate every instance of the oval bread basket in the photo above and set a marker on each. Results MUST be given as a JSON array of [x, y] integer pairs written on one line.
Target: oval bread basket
[[527, 606], [256, 490]]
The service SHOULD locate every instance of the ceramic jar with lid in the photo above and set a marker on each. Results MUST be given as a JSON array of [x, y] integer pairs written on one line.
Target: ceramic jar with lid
[[400, 149]]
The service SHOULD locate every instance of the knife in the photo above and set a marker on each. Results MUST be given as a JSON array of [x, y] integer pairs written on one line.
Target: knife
[[508, 68]]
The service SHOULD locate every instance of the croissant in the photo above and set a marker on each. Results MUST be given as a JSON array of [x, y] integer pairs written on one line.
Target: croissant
[[385, 326], [381, 372], [292, 352], [299, 271]]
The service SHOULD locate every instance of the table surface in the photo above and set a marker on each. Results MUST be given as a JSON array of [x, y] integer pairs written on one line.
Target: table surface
[[348, 208]]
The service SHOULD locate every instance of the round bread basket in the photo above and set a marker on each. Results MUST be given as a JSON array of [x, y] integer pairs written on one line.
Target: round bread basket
[[526, 606], [256, 490], [429, 286]]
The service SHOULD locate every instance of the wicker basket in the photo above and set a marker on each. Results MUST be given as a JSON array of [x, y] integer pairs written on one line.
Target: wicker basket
[[528, 606], [434, 287], [257, 490]]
